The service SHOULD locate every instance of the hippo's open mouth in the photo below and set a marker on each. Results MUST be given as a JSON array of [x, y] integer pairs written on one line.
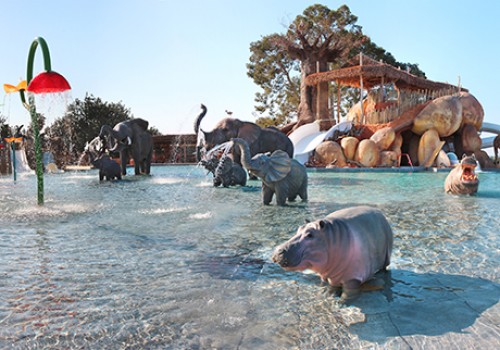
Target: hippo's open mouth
[[300, 267], [468, 174]]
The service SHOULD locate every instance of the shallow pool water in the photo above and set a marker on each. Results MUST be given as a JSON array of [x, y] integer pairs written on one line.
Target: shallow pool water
[[170, 262]]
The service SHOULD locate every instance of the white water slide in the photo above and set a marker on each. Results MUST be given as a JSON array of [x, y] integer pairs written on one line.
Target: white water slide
[[487, 142], [307, 137], [21, 162]]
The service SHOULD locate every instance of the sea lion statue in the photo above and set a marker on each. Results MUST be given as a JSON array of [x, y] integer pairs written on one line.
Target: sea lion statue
[[463, 179]]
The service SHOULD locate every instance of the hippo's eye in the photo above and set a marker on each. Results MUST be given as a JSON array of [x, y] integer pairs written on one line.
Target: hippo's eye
[[309, 235]]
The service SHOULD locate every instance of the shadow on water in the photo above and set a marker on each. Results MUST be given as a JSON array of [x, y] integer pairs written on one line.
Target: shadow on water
[[246, 266], [340, 181], [429, 304], [233, 267]]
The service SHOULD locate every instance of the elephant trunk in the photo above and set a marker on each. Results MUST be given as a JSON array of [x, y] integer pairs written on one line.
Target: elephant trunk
[[246, 157], [91, 156], [197, 123], [116, 147], [114, 140], [94, 159]]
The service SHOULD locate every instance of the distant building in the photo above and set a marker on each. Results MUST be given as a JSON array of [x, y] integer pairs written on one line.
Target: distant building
[[174, 149]]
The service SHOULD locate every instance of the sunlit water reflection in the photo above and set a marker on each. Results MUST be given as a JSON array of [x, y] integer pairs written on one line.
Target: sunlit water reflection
[[169, 261]]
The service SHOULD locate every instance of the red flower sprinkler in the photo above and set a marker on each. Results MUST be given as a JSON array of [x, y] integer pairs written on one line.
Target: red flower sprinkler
[[45, 82]]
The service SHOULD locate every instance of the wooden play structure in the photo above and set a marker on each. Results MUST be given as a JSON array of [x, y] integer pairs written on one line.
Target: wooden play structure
[[403, 119], [381, 106]]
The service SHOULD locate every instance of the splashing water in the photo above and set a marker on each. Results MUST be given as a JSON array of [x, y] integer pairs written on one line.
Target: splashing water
[[52, 105], [220, 151]]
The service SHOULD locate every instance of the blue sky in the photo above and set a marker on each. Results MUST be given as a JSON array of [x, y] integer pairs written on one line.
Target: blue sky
[[162, 58]]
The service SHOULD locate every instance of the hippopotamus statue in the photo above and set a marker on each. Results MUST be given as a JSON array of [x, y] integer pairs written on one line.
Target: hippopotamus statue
[[346, 248], [463, 179]]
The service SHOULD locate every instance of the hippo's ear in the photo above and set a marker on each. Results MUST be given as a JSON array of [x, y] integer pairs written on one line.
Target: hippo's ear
[[307, 221], [322, 224], [280, 165], [464, 156]]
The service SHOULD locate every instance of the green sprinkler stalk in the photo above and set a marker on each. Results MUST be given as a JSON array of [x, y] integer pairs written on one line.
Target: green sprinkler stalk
[[34, 117], [32, 109]]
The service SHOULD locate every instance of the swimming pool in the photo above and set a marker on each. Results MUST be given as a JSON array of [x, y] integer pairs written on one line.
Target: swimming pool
[[169, 261]]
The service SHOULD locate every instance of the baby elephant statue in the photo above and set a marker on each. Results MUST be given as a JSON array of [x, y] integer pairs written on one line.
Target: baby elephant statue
[[463, 179], [225, 172], [108, 168], [280, 174], [345, 249], [229, 173]]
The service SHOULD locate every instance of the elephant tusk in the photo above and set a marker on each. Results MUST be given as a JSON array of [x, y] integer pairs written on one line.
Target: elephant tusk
[[129, 140], [115, 147]]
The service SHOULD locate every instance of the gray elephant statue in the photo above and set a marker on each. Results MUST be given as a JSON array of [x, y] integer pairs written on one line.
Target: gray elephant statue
[[210, 164], [280, 174], [132, 140], [228, 173], [260, 140], [225, 172], [108, 168]]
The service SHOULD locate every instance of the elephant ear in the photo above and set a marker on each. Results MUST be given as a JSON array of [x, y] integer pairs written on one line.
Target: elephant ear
[[141, 123], [250, 132], [280, 165]]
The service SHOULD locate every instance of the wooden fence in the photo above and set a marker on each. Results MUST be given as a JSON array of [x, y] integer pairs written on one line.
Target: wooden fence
[[406, 101]]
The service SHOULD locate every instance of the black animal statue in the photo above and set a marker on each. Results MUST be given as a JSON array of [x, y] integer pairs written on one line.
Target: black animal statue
[[108, 168], [260, 140], [229, 173], [225, 172]]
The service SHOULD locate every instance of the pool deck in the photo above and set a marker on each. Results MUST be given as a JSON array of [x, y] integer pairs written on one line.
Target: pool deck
[[450, 312]]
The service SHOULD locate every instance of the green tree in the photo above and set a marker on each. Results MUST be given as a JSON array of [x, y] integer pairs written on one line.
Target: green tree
[[314, 39], [67, 136], [154, 131], [369, 48], [4, 128], [272, 69]]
